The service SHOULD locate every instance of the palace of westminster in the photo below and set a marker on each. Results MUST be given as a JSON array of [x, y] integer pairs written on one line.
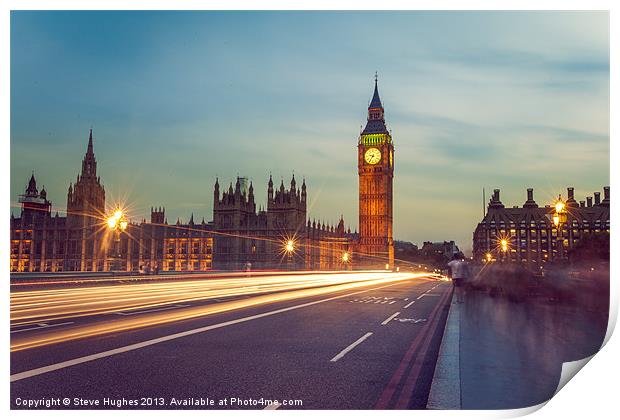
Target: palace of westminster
[[240, 237], [278, 236]]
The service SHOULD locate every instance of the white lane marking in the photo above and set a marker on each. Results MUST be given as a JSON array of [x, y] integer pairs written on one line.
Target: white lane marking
[[392, 301], [427, 294], [150, 310], [27, 324], [273, 406], [350, 347], [409, 304], [41, 326], [391, 317], [412, 320], [119, 350]]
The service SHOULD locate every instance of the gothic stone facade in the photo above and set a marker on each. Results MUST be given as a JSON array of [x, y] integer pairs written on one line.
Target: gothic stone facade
[[247, 238], [240, 237], [531, 234], [79, 241]]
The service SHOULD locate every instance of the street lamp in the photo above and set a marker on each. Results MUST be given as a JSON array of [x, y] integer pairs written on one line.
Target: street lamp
[[559, 218], [346, 259], [504, 244], [117, 223], [489, 257], [289, 249]]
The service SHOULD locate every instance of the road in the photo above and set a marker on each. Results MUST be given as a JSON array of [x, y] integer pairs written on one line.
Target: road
[[305, 341]]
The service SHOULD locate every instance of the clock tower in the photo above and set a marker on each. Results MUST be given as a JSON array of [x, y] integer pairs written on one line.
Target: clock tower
[[375, 163]]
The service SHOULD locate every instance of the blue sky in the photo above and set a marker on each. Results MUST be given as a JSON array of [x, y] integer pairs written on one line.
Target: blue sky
[[504, 100]]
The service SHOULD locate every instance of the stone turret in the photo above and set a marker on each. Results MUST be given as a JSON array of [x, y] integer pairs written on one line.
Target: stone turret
[[530, 203], [86, 198]]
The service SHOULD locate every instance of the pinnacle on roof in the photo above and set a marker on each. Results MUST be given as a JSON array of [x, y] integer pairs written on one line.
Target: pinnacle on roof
[[376, 121], [89, 163], [90, 141], [32, 185], [376, 101]]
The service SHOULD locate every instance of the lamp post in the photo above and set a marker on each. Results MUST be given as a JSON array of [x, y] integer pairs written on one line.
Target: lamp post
[[117, 223], [504, 246], [289, 249], [346, 258], [559, 219]]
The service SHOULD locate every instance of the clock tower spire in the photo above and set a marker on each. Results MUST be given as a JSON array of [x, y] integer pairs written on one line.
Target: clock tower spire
[[375, 163]]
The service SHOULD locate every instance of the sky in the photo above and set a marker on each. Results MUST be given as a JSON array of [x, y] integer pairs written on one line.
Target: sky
[[474, 100]]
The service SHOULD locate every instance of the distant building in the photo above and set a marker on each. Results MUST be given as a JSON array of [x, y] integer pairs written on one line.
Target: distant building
[[530, 232], [439, 252], [404, 246]]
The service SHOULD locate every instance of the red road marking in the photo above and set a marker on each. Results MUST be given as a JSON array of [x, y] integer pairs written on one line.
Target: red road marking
[[414, 373], [388, 392]]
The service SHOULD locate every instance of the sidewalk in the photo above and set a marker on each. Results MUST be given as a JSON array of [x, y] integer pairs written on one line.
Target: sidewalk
[[497, 354]]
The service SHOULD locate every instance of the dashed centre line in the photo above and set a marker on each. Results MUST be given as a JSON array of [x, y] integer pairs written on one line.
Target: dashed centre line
[[421, 296], [350, 347], [391, 317], [409, 304]]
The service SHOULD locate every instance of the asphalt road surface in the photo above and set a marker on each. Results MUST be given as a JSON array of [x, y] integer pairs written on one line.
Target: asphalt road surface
[[322, 342]]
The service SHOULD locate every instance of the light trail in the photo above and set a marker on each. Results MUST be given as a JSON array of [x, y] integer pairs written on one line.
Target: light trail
[[68, 279], [43, 306], [49, 304]]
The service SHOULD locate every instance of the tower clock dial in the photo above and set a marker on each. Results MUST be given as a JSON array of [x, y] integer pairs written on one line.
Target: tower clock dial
[[372, 156]]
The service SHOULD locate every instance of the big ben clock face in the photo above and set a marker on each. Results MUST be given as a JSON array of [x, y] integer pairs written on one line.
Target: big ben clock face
[[372, 156]]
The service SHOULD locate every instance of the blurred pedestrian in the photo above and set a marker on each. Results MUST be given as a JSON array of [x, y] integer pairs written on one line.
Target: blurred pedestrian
[[458, 271]]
